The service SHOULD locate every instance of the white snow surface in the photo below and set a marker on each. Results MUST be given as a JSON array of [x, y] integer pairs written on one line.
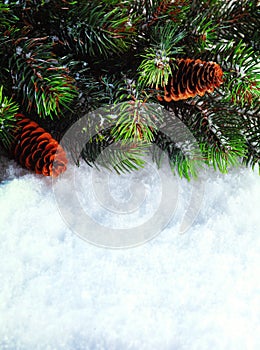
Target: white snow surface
[[197, 290]]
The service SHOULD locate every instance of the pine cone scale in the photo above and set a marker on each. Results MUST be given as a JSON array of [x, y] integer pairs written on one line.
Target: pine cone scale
[[34, 156], [37, 132], [24, 153], [44, 137]]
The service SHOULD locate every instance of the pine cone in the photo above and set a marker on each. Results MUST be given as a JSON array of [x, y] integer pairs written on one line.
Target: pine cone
[[191, 78], [36, 150]]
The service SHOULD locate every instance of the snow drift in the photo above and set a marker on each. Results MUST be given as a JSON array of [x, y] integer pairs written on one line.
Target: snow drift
[[197, 290]]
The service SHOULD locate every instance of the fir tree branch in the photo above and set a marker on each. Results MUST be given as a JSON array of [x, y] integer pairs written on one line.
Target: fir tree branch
[[100, 29], [43, 84], [103, 52], [104, 143], [155, 68], [8, 109], [242, 72]]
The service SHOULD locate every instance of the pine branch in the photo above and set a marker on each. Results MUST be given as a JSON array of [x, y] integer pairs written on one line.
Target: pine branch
[[94, 53], [8, 109], [250, 124], [216, 129], [243, 19], [184, 157], [242, 75], [7, 17], [41, 17], [100, 29], [155, 68], [100, 140], [114, 155], [150, 13], [42, 83]]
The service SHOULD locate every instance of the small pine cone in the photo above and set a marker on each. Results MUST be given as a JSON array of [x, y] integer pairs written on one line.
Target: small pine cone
[[36, 150], [191, 78]]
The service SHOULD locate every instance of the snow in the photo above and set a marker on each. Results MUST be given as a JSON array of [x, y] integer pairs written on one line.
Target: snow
[[195, 290]]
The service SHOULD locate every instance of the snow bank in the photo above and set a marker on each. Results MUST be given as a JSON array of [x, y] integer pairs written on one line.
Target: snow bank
[[197, 290]]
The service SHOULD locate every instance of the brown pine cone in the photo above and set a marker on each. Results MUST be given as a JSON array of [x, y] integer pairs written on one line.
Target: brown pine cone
[[36, 150], [191, 78]]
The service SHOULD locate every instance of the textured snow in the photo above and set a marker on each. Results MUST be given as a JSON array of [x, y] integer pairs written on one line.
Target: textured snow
[[197, 290]]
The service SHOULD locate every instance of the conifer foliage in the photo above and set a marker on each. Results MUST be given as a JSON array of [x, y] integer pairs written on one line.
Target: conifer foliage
[[198, 59]]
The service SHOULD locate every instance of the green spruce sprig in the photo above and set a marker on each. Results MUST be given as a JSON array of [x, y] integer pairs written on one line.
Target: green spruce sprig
[[40, 81], [155, 68], [8, 109]]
